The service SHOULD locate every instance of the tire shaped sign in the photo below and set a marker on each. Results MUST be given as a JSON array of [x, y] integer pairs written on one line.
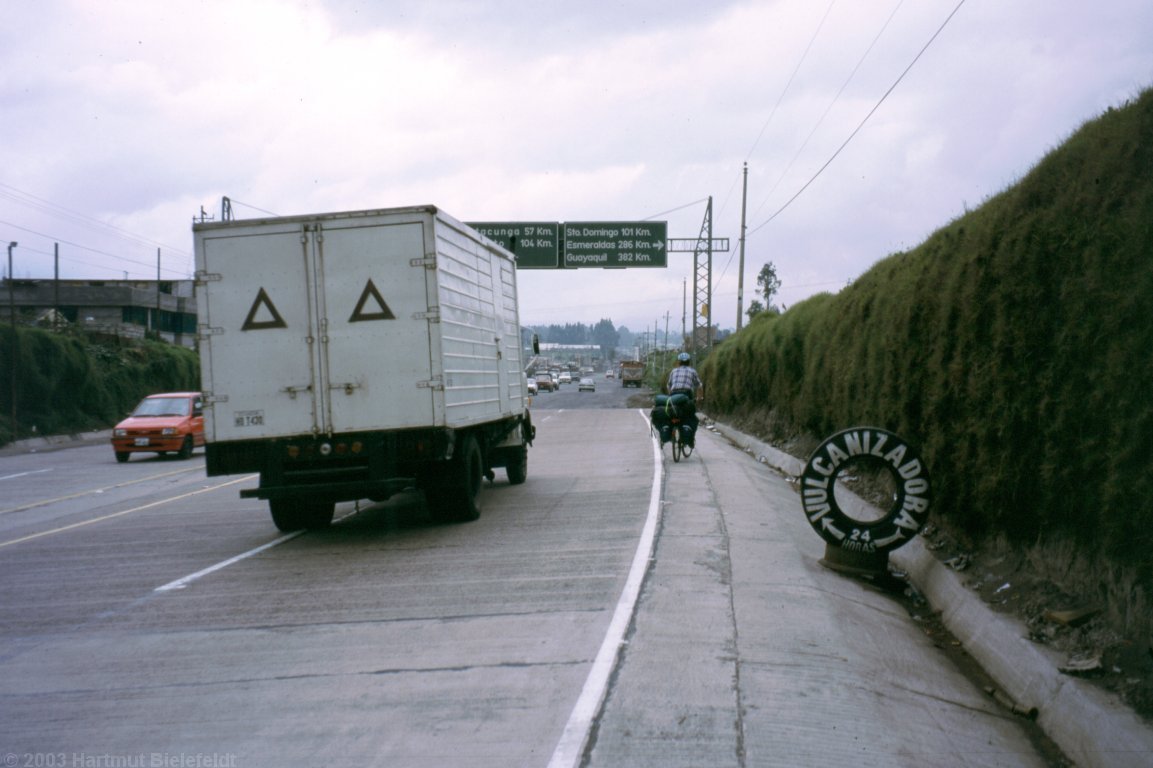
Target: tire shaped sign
[[862, 448]]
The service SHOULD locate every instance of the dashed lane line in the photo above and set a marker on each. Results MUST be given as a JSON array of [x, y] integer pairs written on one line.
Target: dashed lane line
[[102, 518]]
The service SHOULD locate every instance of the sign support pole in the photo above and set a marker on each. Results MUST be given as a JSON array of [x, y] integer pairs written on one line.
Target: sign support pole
[[703, 281]]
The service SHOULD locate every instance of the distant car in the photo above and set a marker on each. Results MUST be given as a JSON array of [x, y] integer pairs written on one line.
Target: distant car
[[532, 385], [566, 378], [545, 383], [171, 422], [608, 374], [588, 384]]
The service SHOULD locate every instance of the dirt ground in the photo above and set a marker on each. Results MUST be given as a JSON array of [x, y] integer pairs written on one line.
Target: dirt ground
[[1014, 582], [1068, 623]]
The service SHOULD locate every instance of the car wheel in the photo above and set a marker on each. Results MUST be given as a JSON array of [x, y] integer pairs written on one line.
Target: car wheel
[[185, 448], [122, 456]]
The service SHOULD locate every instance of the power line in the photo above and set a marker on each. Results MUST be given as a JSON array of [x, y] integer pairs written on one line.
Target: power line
[[863, 121], [674, 210], [792, 77], [21, 197], [148, 264], [832, 102]]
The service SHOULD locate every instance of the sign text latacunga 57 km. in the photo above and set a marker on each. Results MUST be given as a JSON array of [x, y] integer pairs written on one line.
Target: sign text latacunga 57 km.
[[606, 244]]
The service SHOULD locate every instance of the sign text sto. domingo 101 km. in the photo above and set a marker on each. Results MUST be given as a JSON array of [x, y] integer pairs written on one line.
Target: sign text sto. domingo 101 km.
[[607, 244]]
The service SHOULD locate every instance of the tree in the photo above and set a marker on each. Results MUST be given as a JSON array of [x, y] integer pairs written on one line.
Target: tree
[[604, 335], [768, 283]]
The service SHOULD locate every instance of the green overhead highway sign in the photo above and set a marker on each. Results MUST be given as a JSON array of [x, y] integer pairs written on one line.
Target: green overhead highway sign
[[536, 244], [615, 244]]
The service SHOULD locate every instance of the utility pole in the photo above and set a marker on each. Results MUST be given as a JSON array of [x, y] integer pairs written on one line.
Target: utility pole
[[684, 310], [15, 339], [156, 323], [56, 287], [741, 268]]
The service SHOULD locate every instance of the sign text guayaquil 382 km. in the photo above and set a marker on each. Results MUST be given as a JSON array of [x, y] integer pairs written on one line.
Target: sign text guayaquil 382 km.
[[607, 244]]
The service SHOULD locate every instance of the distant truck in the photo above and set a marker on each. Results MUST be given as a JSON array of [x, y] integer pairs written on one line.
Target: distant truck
[[350, 356], [632, 373]]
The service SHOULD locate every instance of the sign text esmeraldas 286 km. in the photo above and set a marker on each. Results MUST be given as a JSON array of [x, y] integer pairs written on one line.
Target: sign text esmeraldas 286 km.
[[615, 244]]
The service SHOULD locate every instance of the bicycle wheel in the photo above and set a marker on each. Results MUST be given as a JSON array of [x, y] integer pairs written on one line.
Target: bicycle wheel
[[678, 446]]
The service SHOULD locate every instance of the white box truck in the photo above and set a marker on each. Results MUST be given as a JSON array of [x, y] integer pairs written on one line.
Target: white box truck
[[350, 356]]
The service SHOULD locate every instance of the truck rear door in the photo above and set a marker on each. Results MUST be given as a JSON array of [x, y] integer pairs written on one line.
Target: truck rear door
[[374, 310], [256, 330]]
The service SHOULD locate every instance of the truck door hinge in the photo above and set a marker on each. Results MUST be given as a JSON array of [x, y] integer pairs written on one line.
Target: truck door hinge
[[429, 262], [432, 315], [204, 331], [435, 383], [348, 386], [200, 278]]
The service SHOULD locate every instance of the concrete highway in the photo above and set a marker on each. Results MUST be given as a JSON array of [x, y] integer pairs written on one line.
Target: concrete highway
[[615, 610]]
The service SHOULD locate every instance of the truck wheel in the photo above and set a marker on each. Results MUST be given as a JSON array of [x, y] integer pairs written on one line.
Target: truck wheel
[[454, 497], [185, 448], [318, 515], [290, 515], [517, 468], [285, 515]]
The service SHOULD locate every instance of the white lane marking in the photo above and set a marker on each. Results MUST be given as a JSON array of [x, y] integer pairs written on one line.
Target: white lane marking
[[181, 583], [24, 474], [123, 512], [79, 494], [573, 741]]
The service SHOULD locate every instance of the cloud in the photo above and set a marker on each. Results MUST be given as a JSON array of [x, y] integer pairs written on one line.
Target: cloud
[[136, 114]]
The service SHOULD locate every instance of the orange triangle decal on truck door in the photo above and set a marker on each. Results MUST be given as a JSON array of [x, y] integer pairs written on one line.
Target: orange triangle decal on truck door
[[270, 317], [382, 311]]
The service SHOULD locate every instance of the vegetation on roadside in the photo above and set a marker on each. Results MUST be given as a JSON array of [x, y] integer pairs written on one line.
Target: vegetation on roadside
[[1014, 345], [73, 382]]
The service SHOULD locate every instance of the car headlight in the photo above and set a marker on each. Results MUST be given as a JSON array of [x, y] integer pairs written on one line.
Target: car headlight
[[120, 433], [168, 431]]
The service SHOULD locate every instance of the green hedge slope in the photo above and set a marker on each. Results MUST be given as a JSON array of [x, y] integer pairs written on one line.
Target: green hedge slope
[[67, 383], [1015, 346]]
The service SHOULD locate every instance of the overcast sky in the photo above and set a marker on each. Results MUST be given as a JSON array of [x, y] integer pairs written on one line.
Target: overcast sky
[[121, 119]]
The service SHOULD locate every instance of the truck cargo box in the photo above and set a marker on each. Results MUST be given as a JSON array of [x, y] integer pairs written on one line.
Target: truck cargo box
[[370, 323], [371, 320]]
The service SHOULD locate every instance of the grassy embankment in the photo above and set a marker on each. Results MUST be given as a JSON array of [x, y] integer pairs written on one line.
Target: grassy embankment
[[1015, 346], [71, 382]]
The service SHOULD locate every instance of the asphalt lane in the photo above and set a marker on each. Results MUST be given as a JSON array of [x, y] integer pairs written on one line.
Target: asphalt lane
[[384, 641], [390, 641]]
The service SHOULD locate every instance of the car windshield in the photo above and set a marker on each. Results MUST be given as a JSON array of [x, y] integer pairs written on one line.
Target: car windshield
[[162, 406]]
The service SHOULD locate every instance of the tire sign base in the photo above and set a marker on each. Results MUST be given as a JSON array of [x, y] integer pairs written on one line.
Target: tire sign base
[[865, 564]]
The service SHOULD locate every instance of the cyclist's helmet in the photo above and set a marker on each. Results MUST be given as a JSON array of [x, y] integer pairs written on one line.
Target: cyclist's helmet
[[684, 357]]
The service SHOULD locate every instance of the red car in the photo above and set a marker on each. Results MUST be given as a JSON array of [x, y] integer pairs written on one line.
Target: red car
[[172, 422]]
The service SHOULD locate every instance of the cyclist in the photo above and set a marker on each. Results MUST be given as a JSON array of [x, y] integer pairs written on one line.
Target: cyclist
[[683, 380]]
